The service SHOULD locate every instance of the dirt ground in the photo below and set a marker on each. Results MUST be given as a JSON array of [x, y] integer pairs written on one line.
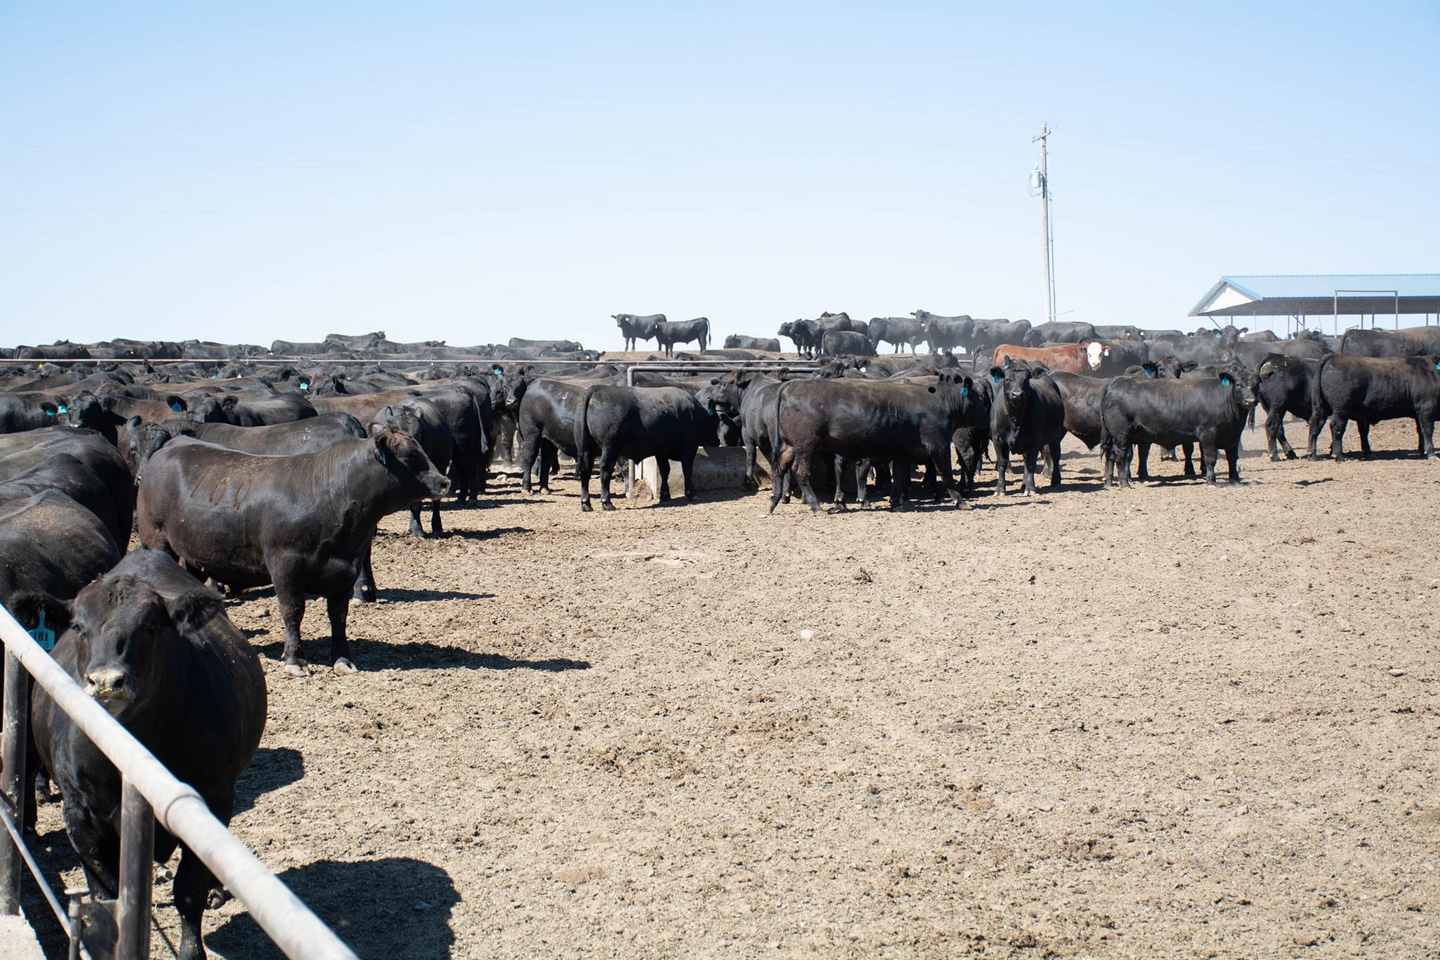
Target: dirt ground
[[1169, 722]]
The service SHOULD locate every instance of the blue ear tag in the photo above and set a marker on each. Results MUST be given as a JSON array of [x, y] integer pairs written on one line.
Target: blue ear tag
[[304, 384], [49, 412], [176, 408], [384, 462], [64, 409], [964, 391], [1227, 381], [43, 635], [1437, 364], [994, 378]]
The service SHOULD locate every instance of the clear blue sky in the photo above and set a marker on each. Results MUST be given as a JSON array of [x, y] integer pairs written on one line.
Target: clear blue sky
[[471, 172]]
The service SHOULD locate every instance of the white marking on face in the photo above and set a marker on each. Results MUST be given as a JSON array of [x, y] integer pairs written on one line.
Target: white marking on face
[[1093, 354]]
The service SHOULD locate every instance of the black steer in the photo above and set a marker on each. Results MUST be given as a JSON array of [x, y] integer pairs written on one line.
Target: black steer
[[1283, 385], [669, 333], [1210, 411], [1027, 416], [634, 327], [155, 648], [1371, 389], [637, 422], [303, 523]]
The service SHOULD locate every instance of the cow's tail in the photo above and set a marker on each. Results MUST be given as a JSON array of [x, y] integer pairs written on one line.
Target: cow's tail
[[1319, 410], [1106, 440], [582, 428]]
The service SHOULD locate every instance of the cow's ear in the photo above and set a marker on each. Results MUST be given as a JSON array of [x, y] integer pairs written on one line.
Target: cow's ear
[[176, 403], [133, 422], [191, 611], [1227, 379], [49, 408], [108, 403], [996, 374], [381, 442], [229, 402]]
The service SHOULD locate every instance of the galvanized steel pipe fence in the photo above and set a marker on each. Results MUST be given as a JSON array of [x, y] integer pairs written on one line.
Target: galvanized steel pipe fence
[[151, 793]]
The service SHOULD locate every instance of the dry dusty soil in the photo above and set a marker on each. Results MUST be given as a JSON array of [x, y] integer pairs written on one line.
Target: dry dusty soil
[[1169, 722]]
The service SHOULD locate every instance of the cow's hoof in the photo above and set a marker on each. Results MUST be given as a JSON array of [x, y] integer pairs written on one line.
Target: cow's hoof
[[607, 505], [343, 667], [1290, 455], [586, 508], [217, 898], [297, 669]]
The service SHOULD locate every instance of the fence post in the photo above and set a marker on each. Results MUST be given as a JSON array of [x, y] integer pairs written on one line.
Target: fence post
[[12, 781], [137, 877]]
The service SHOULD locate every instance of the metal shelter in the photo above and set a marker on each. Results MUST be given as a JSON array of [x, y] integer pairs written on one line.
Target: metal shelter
[[1309, 300]]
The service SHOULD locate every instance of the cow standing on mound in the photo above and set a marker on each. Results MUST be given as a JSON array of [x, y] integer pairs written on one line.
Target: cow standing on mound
[[154, 647], [634, 327], [303, 523]]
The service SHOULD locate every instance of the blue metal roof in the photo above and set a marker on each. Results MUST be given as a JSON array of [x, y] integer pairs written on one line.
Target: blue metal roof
[[1269, 286]]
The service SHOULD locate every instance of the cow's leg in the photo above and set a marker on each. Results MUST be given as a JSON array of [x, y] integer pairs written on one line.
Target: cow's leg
[[607, 473], [899, 472], [582, 473], [780, 468], [365, 583], [687, 473], [1054, 451], [750, 450], [193, 881], [1030, 456], [1425, 429], [1363, 428], [662, 463], [436, 527], [1232, 461], [803, 467], [1002, 463], [862, 483], [1142, 469], [291, 598], [1208, 456], [1337, 437], [1190, 461], [1316, 423], [1284, 442], [1124, 453], [97, 848], [338, 607], [1273, 432], [941, 462], [529, 451], [415, 529], [839, 499]]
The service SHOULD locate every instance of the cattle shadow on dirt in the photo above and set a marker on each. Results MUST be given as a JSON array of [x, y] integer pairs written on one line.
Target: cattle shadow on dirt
[[1311, 483], [393, 907], [370, 655], [270, 769], [482, 534], [401, 594]]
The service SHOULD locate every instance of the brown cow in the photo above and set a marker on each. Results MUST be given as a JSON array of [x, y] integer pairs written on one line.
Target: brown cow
[[1072, 357]]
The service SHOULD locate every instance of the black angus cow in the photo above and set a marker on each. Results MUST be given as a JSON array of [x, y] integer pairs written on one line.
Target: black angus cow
[[1250, 353], [738, 341], [71, 476], [668, 333], [1260, 336], [363, 341], [545, 424], [1081, 396], [264, 411], [1117, 331], [289, 348], [50, 547], [31, 411], [1060, 331], [800, 333], [558, 346], [1117, 356], [22, 451], [1282, 385], [637, 422], [846, 343], [902, 332], [1197, 349], [139, 440], [467, 404], [1027, 416], [422, 420], [635, 327], [155, 648], [986, 335], [1409, 342], [1210, 411], [944, 333], [303, 523], [749, 398], [1371, 389], [867, 420]]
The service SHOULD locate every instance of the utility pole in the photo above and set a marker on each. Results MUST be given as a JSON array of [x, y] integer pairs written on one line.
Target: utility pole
[[1043, 181]]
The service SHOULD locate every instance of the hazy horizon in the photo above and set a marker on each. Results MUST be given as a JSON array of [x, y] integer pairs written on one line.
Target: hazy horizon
[[475, 173]]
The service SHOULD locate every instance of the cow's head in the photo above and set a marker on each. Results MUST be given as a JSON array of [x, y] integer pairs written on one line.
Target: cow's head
[[1244, 386], [401, 455], [126, 635], [1095, 353]]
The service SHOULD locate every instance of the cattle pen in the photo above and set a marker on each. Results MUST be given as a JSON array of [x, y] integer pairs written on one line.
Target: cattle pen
[[120, 929]]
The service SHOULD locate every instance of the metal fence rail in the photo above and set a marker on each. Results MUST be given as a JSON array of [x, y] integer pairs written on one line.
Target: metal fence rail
[[151, 793]]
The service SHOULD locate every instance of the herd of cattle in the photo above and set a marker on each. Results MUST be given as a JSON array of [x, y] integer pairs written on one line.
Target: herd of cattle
[[256, 471]]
